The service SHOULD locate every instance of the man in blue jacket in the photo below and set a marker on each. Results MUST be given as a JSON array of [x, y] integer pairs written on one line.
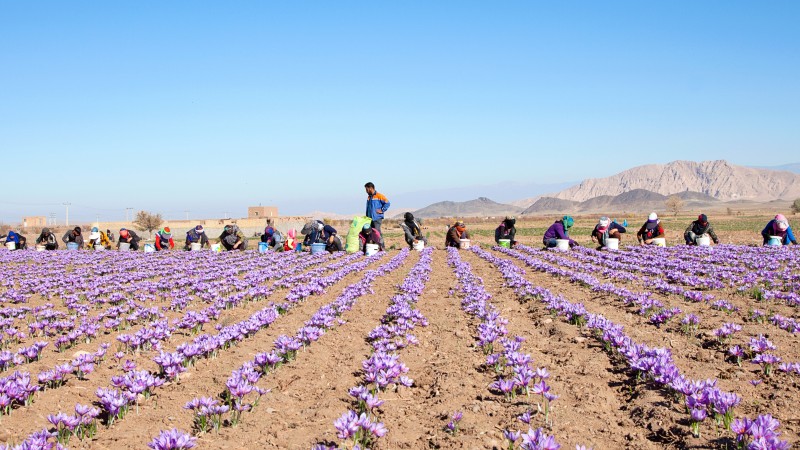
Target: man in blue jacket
[[377, 204]]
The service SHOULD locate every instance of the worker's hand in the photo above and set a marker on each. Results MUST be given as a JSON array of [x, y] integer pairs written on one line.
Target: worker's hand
[[379, 211], [236, 245]]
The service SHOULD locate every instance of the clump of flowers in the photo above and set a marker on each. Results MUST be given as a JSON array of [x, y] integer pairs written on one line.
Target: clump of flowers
[[452, 426], [173, 439]]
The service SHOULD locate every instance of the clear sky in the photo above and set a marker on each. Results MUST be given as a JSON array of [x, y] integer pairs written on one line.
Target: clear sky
[[213, 106]]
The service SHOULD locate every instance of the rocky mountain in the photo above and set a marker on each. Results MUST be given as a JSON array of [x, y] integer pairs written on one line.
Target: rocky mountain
[[637, 200], [480, 207], [720, 180]]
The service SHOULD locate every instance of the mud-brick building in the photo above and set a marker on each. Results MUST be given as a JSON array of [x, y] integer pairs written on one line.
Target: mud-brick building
[[262, 212], [34, 221]]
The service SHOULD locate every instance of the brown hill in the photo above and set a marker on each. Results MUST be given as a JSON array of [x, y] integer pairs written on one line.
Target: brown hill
[[720, 180], [480, 207], [637, 200]]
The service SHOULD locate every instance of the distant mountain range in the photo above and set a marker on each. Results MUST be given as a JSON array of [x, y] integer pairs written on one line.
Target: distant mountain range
[[698, 184], [479, 207]]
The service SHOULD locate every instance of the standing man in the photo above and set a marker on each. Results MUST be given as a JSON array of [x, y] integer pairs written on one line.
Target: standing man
[[377, 204]]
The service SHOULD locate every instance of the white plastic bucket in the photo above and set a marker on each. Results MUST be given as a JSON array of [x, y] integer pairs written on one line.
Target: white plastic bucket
[[419, 245], [371, 249], [149, 248], [11, 245], [660, 242], [505, 243], [216, 247], [124, 246], [464, 243], [317, 248], [40, 248], [196, 246], [773, 240], [562, 244], [612, 244], [99, 247], [703, 241]]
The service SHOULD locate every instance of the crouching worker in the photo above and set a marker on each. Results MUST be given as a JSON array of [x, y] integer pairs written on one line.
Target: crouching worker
[[128, 237], [73, 236], [273, 239], [650, 231], [196, 235], [605, 230], [98, 239], [232, 238], [322, 234], [506, 231], [559, 231], [20, 242], [412, 230], [699, 228], [777, 228], [48, 239], [369, 235], [456, 234], [164, 239]]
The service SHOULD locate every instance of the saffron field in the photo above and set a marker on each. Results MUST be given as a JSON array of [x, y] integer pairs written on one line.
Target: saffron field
[[642, 348]]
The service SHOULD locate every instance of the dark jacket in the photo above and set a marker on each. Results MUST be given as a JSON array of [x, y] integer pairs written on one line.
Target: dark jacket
[[505, 232], [49, 240], [613, 226], [644, 233], [453, 239], [698, 229], [132, 239], [71, 236], [193, 237]]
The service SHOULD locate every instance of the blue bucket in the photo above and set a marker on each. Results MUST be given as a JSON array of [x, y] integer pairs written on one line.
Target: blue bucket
[[263, 247], [775, 241], [298, 247], [72, 245], [317, 248]]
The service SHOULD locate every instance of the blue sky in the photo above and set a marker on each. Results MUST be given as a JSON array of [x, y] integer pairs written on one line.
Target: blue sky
[[213, 106]]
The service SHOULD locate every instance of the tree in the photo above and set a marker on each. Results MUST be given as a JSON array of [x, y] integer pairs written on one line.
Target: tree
[[796, 206], [146, 221], [674, 204]]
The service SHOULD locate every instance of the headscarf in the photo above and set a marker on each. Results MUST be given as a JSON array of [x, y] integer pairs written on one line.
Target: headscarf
[[461, 226], [95, 230], [12, 237], [269, 231], [366, 229], [228, 229], [781, 223], [703, 219], [510, 221], [568, 221], [45, 231], [77, 230], [292, 233], [95, 235], [165, 233], [123, 232], [603, 224], [652, 222], [408, 217]]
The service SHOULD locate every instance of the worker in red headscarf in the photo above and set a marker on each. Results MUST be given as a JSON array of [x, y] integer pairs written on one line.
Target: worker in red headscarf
[[128, 237], [699, 228], [455, 234]]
